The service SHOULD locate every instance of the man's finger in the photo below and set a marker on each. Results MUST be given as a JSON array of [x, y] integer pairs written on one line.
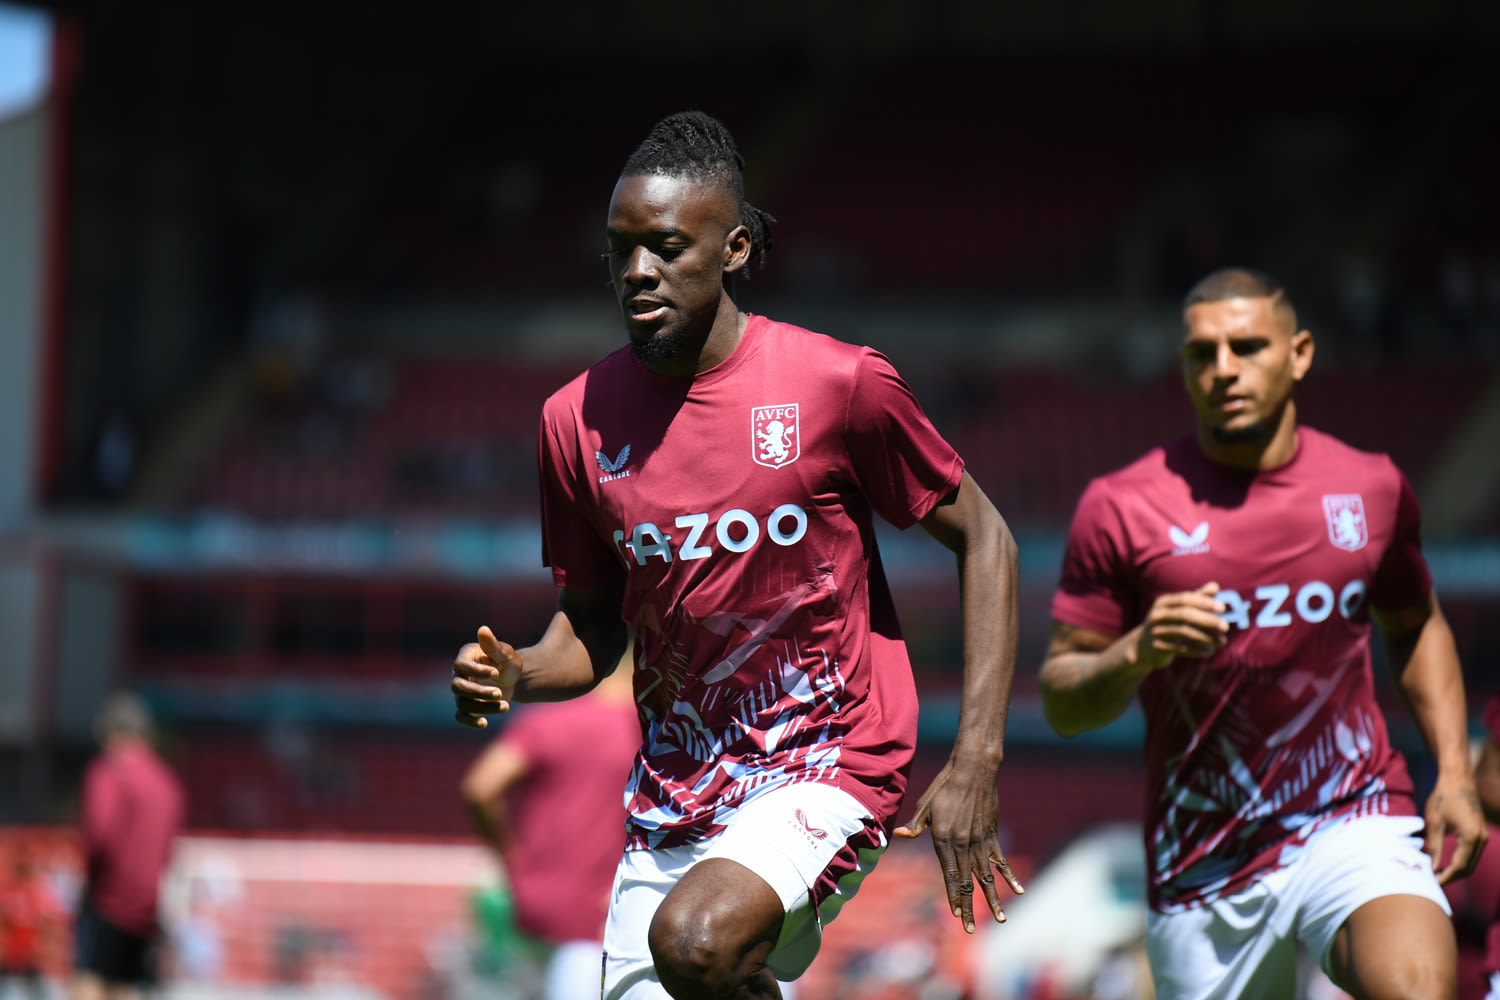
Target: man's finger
[[465, 688], [1465, 857], [916, 826], [493, 647], [1010, 878], [472, 721], [991, 896], [964, 893], [1432, 839]]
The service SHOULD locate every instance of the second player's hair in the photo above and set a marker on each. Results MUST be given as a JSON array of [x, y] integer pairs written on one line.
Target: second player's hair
[[696, 145], [1240, 283]]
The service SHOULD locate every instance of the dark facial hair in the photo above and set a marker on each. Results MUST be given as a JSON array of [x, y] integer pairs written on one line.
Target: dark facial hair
[[662, 347], [1243, 435]]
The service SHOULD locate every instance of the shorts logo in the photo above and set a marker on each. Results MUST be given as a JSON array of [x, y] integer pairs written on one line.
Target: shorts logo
[[1185, 543], [774, 438], [802, 818], [615, 469], [1345, 515]]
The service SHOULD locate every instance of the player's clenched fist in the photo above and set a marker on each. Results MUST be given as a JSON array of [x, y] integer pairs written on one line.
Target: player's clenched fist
[[484, 678], [1188, 623]]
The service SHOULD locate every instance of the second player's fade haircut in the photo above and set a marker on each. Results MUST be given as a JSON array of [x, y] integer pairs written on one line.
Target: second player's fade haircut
[[1242, 283], [696, 145]]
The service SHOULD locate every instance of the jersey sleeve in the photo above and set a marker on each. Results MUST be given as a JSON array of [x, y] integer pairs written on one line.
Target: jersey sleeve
[[1096, 591], [571, 545], [1402, 579], [903, 465]]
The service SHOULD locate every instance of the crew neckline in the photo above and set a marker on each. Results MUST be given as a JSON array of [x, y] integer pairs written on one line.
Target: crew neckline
[[683, 384]]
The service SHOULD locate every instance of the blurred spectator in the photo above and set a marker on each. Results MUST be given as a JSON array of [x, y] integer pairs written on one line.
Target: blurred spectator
[[549, 796], [29, 913], [132, 808], [116, 455]]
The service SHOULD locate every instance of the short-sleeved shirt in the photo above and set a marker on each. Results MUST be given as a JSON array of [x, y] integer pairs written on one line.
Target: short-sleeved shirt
[[739, 507], [567, 815], [1251, 749], [132, 810]]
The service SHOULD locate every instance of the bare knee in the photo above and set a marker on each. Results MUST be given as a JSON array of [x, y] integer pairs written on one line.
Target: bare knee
[[712, 934], [691, 959]]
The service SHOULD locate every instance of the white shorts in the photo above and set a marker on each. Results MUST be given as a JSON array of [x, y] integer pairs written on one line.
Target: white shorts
[[811, 843], [1245, 944]]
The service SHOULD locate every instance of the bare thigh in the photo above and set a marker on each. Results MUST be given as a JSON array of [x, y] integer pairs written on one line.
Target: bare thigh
[[1396, 948]]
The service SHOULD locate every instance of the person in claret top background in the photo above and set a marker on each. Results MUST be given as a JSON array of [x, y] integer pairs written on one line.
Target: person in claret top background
[[548, 796], [1229, 579], [131, 811], [713, 487]]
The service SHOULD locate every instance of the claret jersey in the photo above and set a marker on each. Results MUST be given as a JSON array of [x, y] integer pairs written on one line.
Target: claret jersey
[[739, 505], [1250, 750]]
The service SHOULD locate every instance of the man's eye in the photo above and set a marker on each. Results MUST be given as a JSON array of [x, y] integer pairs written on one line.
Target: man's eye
[[671, 252]]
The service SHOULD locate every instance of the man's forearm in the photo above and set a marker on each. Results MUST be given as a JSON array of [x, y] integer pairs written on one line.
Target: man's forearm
[[1089, 689], [988, 577], [566, 663], [1432, 685]]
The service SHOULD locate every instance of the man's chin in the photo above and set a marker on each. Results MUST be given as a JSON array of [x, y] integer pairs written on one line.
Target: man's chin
[[660, 347], [1244, 434]]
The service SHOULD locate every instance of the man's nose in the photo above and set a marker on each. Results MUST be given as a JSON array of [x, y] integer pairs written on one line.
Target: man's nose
[[1226, 363], [640, 266]]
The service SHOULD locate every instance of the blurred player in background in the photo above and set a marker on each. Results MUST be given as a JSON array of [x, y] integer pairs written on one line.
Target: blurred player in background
[[1229, 579], [715, 485], [548, 796], [1487, 777], [30, 919], [132, 808]]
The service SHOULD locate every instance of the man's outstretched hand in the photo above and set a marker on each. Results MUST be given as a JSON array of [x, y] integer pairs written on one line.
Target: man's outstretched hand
[[484, 679], [962, 809]]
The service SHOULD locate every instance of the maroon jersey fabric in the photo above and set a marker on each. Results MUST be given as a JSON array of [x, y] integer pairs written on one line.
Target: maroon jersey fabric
[[567, 815], [131, 811], [739, 506], [1492, 942], [1250, 750]]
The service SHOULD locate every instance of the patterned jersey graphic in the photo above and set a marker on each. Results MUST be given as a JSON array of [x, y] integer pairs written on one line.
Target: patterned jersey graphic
[[779, 731]]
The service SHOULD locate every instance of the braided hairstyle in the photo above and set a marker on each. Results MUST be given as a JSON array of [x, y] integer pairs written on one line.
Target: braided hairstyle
[[697, 146]]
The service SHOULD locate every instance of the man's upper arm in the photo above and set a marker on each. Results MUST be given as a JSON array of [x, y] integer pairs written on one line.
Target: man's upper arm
[[962, 514], [594, 614], [1401, 626]]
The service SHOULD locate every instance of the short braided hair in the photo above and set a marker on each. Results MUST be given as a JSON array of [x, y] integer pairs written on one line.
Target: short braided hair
[[697, 146]]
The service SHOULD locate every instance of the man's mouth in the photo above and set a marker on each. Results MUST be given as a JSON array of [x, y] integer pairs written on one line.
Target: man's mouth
[[645, 310]]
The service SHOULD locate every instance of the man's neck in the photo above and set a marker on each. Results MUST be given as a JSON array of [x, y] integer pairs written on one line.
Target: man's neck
[[1256, 455]]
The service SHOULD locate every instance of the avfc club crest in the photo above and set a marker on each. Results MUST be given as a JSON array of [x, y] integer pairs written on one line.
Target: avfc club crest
[[775, 438], [1345, 515]]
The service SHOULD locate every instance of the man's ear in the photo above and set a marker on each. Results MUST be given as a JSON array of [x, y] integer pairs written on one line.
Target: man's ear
[[1302, 353], [737, 247]]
